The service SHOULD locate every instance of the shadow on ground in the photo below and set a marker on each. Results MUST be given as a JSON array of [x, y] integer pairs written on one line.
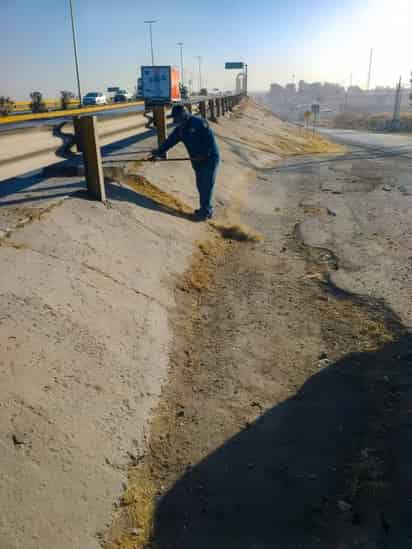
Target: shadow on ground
[[276, 483], [120, 193]]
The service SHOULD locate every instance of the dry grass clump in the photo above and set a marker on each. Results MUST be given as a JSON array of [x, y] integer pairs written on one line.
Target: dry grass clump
[[133, 523], [297, 142], [236, 231], [199, 276]]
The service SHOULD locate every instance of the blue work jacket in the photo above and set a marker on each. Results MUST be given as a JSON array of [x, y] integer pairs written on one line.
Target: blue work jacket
[[198, 139]]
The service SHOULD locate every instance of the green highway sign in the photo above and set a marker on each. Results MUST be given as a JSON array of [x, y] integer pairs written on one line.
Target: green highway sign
[[234, 65]]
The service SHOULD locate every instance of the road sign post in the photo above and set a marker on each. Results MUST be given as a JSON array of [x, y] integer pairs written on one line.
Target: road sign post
[[234, 65], [315, 111]]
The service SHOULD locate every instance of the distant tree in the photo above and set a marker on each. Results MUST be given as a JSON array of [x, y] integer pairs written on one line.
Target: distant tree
[[65, 97], [6, 105], [37, 104]]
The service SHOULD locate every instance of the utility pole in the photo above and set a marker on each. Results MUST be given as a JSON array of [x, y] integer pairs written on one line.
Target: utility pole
[[76, 60], [180, 44], [396, 119], [347, 94], [150, 23], [370, 70], [199, 58]]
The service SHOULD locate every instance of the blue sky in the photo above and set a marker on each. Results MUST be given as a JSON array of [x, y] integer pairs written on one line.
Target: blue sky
[[315, 40]]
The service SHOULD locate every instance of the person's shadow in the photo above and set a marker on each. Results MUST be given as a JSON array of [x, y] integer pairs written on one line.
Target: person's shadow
[[276, 483]]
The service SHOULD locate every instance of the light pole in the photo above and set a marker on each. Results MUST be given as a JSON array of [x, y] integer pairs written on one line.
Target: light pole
[[75, 53], [150, 23], [180, 44], [199, 58], [370, 70]]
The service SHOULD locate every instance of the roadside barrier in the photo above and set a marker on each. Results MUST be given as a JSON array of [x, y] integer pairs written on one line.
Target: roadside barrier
[[86, 131]]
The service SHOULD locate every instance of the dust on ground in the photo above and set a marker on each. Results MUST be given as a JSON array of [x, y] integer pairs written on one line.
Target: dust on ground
[[272, 428]]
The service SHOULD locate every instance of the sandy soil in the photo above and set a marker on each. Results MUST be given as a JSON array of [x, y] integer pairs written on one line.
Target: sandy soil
[[86, 328], [287, 399]]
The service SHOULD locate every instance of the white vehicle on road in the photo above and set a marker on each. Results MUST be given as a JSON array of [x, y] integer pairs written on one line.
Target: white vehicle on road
[[121, 96], [94, 98]]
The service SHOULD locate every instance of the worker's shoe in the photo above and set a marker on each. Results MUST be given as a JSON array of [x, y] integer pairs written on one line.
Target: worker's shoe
[[202, 215]]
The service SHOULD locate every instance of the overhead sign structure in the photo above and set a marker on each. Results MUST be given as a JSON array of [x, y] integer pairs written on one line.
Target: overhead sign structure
[[234, 65], [160, 84]]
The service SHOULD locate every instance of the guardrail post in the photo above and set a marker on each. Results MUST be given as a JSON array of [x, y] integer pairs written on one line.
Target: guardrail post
[[202, 109], [212, 110], [159, 118], [222, 100], [217, 107], [88, 142]]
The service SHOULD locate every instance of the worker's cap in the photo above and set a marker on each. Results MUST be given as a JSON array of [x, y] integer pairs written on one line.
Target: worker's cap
[[178, 111]]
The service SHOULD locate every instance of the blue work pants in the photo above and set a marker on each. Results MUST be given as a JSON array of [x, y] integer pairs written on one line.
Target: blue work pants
[[205, 181]]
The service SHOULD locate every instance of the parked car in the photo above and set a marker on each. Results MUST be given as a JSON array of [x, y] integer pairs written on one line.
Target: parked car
[[121, 96], [94, 98]]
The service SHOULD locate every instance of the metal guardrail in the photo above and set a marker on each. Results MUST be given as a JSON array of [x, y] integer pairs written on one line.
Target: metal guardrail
[[86, 134], [67, 113], [25, 105], [87, 139]]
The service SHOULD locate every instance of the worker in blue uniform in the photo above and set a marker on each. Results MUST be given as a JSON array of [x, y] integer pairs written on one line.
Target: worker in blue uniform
[[201, 145]]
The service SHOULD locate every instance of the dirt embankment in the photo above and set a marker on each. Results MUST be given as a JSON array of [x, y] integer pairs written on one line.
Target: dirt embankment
[[88, 296], [268, 432]]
